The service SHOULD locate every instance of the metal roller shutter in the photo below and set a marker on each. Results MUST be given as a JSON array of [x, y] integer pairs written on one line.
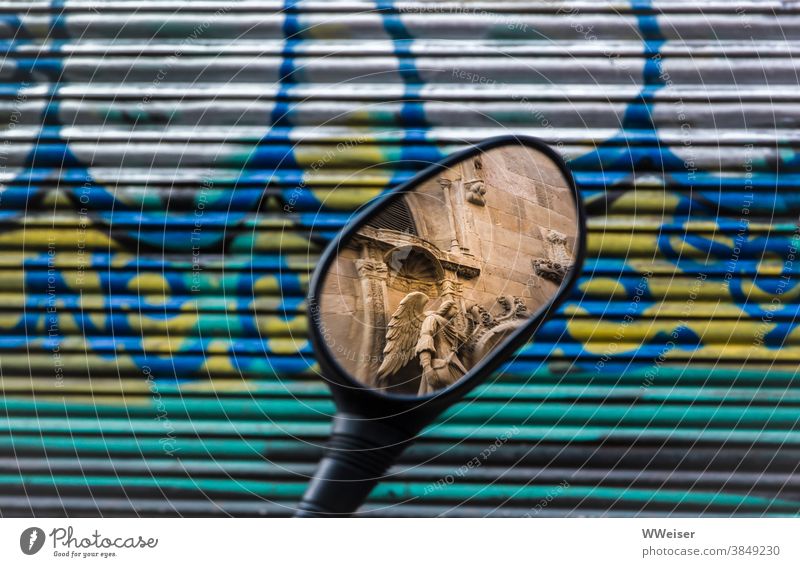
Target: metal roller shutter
[[170, 168]]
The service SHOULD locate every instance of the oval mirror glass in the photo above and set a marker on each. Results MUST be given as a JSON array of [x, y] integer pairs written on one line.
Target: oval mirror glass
[[448, 269]]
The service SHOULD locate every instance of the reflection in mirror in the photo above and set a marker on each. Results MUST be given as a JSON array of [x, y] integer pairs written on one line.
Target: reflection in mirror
[[442, 275]]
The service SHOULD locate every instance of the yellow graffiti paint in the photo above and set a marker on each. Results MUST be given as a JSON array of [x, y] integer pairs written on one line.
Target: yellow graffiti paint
[[153, 287], [608, 287], [286, 346]]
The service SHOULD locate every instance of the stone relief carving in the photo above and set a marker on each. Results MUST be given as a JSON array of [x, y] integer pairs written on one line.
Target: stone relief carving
[[558, 262], [474, 186], [474, 190]]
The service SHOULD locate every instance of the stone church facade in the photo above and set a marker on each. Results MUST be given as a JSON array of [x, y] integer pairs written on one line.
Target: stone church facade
[[494, 234]]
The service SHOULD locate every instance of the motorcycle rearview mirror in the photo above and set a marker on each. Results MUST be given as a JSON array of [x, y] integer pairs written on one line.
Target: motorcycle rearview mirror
[[429, 290]]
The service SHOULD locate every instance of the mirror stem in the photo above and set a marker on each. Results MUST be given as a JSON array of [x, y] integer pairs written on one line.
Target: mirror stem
[[359, 452]]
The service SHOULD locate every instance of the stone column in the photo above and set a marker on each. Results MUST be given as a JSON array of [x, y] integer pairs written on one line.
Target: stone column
[[452, 217], [373, 275], [453, 290]]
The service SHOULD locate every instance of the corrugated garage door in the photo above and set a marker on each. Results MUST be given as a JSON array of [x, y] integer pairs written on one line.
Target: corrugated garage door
[[167, 166]]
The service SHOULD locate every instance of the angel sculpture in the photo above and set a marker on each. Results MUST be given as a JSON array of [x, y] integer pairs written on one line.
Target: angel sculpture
[[430, 337]]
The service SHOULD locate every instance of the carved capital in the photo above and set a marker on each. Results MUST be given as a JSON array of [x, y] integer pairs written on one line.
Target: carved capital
[[452, 287], [372, 269]]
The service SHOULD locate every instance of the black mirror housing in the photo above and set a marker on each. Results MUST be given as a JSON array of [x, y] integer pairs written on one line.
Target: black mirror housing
[[377, 420]]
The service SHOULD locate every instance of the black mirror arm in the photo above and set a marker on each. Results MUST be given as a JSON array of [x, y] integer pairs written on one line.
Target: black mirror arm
[[359, 453], [371, 428]]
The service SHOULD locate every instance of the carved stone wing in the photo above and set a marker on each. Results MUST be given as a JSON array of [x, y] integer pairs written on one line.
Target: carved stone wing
[[403, 334]]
